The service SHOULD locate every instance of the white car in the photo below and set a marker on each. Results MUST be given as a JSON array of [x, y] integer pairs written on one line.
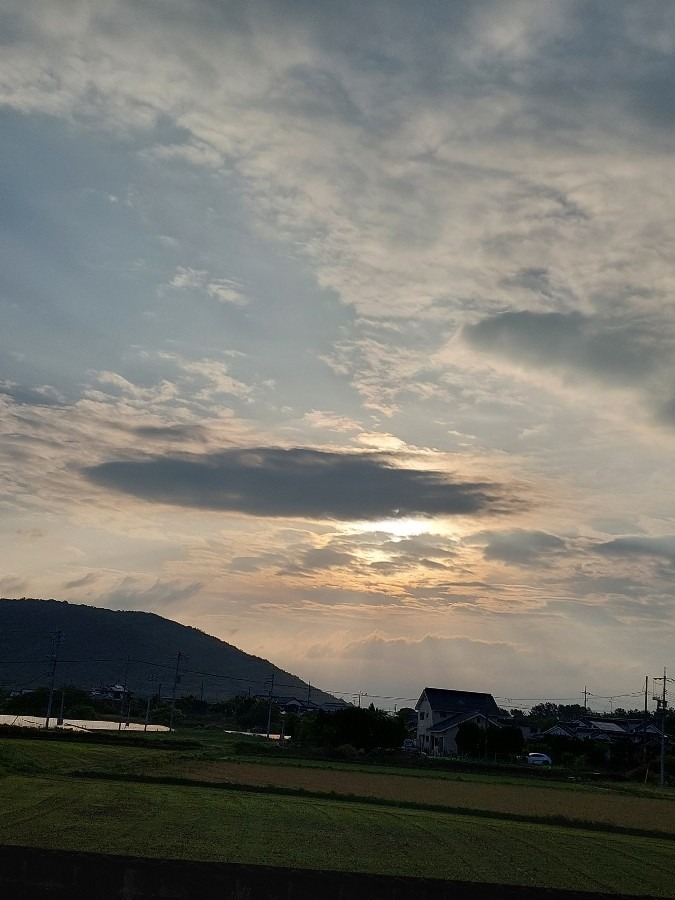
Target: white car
[[539, 759]]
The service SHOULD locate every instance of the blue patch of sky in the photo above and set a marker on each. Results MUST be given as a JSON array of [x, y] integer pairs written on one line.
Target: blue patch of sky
[[93, 232]]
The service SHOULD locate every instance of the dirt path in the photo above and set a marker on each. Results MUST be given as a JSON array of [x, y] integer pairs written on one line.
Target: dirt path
[[613, 809]]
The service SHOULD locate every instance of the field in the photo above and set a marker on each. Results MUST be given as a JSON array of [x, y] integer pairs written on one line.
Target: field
[[140, 801]]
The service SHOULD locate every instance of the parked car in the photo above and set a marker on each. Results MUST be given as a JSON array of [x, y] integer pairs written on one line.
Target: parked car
[[539, 759]]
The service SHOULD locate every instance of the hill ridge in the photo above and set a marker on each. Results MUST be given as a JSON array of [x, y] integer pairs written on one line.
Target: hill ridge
[[105, 646]]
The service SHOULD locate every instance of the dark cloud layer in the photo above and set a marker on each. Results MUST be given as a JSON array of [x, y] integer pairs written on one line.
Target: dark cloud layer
[[657, 547], [521, 547], [300, 482], [616, 353]]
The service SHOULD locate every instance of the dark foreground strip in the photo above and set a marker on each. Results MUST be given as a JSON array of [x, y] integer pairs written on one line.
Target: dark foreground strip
[[28, 873], [559, 821]]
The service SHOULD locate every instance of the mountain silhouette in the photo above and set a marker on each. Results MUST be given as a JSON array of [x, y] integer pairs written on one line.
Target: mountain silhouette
[[140, 649]]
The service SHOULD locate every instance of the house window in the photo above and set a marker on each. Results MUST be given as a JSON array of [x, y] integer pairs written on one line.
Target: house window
[[422, 715]]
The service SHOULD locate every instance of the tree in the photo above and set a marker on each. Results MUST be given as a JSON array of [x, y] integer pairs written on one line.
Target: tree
[[469, 739], [408, 716], [572, 711], [544, 714], [506, 741], [545, 710], [364, 729]]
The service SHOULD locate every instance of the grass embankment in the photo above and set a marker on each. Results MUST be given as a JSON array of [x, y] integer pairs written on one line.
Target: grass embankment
[[44, 804]]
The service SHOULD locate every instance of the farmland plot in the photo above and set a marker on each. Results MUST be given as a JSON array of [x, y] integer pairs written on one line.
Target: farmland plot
[[592, 806], [215, 824]]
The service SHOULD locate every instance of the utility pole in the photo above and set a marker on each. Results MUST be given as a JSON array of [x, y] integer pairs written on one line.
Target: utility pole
[[56, 637], [309, 692], [645, 742], [269, 710], [151, 680], [585, 700], [124, 693], [661, 705], [176, 680], [147, 713]]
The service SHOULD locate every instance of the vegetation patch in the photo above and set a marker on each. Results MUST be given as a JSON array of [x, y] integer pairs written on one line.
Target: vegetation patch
[[285, 791], [172, 821]]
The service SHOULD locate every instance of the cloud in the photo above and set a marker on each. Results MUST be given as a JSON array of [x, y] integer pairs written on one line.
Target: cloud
[[132, 593], [263, 481], [84, 581], [326, 558], [521, 547], [660, 547], [377, 646], [624, 351], [331, 421], [31, 534], [26, 396], [13, 586], [179, 433], [225, 290], [616, 353]]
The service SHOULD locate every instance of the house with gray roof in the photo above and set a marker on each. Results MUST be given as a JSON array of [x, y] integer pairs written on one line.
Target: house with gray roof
[[640, 732], [440, 713]]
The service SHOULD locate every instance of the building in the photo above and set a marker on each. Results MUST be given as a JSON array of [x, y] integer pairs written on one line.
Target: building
[[637, 732], [115, 692], [441, 712]]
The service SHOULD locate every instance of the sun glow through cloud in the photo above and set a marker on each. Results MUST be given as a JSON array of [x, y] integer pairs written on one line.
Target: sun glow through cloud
[[398, 528]]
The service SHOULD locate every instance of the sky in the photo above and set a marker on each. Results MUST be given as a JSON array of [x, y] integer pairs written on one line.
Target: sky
[[345, 332]]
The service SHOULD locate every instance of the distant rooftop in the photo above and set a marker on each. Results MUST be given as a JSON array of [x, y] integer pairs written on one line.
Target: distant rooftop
[[442, 700]]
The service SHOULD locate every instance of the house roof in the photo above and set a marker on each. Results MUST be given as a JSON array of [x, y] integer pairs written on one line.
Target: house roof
[[441, 700], [564, 728], [599, 725], [457, 719]]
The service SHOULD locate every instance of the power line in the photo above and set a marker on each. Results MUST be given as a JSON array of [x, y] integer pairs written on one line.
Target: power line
[[508, 701]]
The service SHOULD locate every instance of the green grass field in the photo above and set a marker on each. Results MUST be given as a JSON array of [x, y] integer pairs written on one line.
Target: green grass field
[[43, 804]]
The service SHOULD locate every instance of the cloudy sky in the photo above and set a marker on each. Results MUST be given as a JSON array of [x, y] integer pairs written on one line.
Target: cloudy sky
[[346, 332]]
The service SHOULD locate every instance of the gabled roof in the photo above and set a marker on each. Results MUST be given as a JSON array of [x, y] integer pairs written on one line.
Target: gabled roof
[[600, 725], [562, 729], [457, 719], [441, 700]]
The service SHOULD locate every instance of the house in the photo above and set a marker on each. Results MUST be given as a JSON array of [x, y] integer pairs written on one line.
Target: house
[[441, 712], [115, 692], [643, 732], [561, 729], [290, 704], [639, 732]]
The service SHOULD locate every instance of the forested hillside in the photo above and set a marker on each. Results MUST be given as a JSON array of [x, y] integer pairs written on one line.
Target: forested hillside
[[102, 646]]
